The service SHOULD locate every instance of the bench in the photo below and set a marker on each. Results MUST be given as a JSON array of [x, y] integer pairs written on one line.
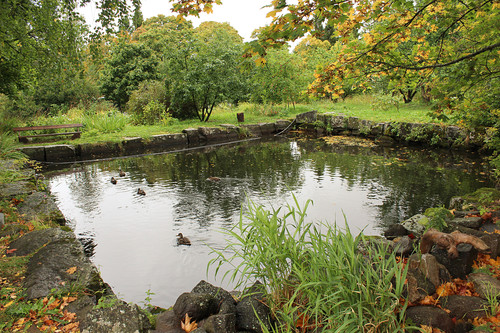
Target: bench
[[24, 138]]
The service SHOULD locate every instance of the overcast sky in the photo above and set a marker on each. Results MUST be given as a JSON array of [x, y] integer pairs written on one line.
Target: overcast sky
[[243, 15]]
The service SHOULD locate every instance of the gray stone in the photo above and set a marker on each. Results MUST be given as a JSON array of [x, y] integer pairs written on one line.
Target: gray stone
[[267, 129], [36, 153], [281, 124], [133, 145], [394, 231], [489, 227], [168, 321], [307, 117], [2, 220], [60, 265], [463, 213], [41, 205], [428, 266], [469, 222], [213, 134], [486, 286], [493, 242], [197, 306], [34, 240], [220, 295], [220, 323], [93, 150], [58, 153], [456, 203], [415, 224], [169, 140], [11, 190], [119, 318], [465, 307], [253, 129], [353, 123], [193, 136], [418, 287], [252, 312], [403, 246], [430, 316], [337, 123]]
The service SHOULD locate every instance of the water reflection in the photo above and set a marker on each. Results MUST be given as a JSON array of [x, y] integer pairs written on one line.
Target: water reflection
[[132, 238]]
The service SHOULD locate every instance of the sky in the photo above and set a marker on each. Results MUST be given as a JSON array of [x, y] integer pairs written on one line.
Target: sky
[[243, 15]]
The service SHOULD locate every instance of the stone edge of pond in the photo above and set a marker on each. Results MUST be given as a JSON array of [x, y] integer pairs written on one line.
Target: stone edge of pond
[[312, 122]]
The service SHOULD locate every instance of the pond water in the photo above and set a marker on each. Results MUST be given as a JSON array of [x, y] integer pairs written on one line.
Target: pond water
[[132, 238]]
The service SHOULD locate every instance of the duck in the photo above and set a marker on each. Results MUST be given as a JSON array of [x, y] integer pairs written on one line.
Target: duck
[[122, 173], [140, 191], [181, 240], [213, 179], [113, 180]]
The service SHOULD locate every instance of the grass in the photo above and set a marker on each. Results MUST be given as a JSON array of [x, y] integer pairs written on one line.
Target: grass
[[315, 277], [110, 125]]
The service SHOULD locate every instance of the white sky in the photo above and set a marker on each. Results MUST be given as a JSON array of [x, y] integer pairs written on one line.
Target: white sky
[[243, 15]]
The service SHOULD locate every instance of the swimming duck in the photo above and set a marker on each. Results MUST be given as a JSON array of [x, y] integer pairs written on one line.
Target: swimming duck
[[113, 180], [181, 240], [140, 191], [213, 179], [122, 173]]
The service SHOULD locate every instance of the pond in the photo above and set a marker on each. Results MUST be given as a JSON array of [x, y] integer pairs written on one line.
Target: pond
[[132, 238]]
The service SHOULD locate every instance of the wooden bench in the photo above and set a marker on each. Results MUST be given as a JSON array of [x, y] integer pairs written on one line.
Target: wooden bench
[[24, 138]]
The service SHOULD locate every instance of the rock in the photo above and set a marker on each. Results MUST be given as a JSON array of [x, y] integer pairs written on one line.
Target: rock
[[98, 149], [133, 145], [2, 220], [41, 205], [225, 302], [252, 311], [11, 190], [493, 242], [489, 227], [36, 153], [220, 323], [430, 316], [485, 285], [168, 321], [253, 129], [464, 213], [34, 240], [307, 117], [465, 307], [457, 203], [166, 141], [58, 153], [403, 246], [267, 129], [428, 266], [468, 222], [197, 306], [58, 265], [394, 231], [119, 318], [415, 224], [462, 265], [418, 287], [193, 136], [213, 134]]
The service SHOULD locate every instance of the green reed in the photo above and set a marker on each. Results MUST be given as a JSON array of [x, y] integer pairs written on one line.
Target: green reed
[[315, 272]]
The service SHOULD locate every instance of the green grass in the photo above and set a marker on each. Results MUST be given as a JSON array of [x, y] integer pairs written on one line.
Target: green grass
[[112, 126], [315, 271]]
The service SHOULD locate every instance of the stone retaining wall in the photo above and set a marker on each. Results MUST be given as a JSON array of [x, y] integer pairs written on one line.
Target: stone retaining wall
[[312, 122]]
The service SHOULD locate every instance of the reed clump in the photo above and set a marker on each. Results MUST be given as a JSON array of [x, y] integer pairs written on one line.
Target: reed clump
[[313, 273]]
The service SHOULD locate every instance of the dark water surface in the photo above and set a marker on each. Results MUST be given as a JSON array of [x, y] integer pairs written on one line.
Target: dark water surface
[[132, 238]]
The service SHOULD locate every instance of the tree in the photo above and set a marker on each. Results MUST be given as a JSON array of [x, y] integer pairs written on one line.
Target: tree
[[203, 71], [129, 65]]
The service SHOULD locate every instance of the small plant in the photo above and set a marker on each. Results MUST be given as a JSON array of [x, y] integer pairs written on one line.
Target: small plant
[[493, 303], [437, 218], [106, 302], [111, 122]]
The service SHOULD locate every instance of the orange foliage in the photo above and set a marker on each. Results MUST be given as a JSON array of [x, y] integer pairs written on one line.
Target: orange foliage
[[485, 261]]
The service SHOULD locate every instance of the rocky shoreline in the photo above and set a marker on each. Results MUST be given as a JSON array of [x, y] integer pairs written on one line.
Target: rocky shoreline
[[57, 261]]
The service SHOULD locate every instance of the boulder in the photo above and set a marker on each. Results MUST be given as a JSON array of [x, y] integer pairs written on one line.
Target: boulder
[[462, 265], [34, 240], [61, 264], [486, 286], [119, 318], [430, 316], [222, 297], [220, 323], [11, 190], [197, 306], [403, 246], [192, 135], [41, 205], [252, 311], [418, 286], [465, 307], [468, 222], [36, 153], [394, 231], [415, 224], [168, 321]]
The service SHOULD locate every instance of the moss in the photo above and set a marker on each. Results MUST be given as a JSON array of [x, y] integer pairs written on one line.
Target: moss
[[483, 196]]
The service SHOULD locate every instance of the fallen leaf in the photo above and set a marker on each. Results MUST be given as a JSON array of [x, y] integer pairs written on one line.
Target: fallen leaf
[[71, 270], [187, 325], [11, 251]]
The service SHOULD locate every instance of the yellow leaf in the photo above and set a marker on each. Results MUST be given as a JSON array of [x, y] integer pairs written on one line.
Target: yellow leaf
[[187, 325], [71, 270], [8, 304]]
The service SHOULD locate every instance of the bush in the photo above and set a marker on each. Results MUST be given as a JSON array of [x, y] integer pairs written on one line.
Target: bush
[[143, 98], [111, 122]]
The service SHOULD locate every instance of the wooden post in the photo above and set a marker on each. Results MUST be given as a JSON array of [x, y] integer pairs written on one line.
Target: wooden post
[[241, 117]]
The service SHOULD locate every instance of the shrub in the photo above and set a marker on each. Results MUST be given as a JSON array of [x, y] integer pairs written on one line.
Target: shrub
[[148, 91]]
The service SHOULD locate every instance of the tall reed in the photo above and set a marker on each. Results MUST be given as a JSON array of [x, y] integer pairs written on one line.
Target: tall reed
[[314, 274]]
